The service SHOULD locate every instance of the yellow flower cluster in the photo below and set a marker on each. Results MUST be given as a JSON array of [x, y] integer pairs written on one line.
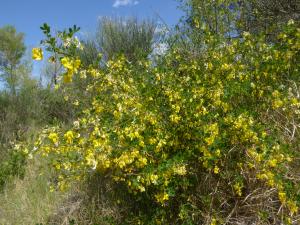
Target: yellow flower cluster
[[37, 54], [72, 66], [162, 197], [69, 136], [53, 137]]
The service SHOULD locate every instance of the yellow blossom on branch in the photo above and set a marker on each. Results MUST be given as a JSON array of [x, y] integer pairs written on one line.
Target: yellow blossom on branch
[[37, 54]]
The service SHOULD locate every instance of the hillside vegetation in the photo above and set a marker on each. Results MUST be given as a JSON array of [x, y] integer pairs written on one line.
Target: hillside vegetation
[[204, 133]]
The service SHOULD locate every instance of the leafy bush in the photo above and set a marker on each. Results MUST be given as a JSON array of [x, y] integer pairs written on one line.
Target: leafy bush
[[194, 140], [13, 164]]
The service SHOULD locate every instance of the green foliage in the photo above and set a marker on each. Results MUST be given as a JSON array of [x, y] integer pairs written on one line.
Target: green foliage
[[33, 106], [268, 16], [54, 45], [64, 42], [228, 19], [25, 106], [12, 49], [11, 165], [191, 139]]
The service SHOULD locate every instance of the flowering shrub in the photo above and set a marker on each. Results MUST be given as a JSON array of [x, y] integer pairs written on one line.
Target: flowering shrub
[[194, 138]]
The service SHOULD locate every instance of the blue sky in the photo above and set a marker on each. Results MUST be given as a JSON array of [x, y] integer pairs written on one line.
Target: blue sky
[[28, 15]]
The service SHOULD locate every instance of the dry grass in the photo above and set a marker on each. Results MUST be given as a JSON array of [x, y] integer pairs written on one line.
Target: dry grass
[[29, 201], [93, 202]]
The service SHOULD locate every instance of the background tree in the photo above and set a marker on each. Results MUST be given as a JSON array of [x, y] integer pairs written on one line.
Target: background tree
[[128, 36], [50, 72], [230, 18], [267, 16], [89, 55], [12, 49]]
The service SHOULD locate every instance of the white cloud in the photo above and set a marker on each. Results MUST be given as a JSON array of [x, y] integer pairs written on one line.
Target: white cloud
[[119, 3]]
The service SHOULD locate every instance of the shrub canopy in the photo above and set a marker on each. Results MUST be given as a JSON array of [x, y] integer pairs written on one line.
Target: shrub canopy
[[194, 140]]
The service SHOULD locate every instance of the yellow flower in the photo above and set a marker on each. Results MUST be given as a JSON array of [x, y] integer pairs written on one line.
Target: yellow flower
[[76, 103], [69, 136], [213, 221], [246, 34], [142, 162], [142, 188], [52, 189], [68, 77], [72, 66], [282, 197], [238, 188], [162, 197], [175, 118], [277, 104], [53, 137], [67, 63], [272, 163], [216, 170], [37, 54], [153, 178], [291, 22], [292, 207], [180, 170]]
